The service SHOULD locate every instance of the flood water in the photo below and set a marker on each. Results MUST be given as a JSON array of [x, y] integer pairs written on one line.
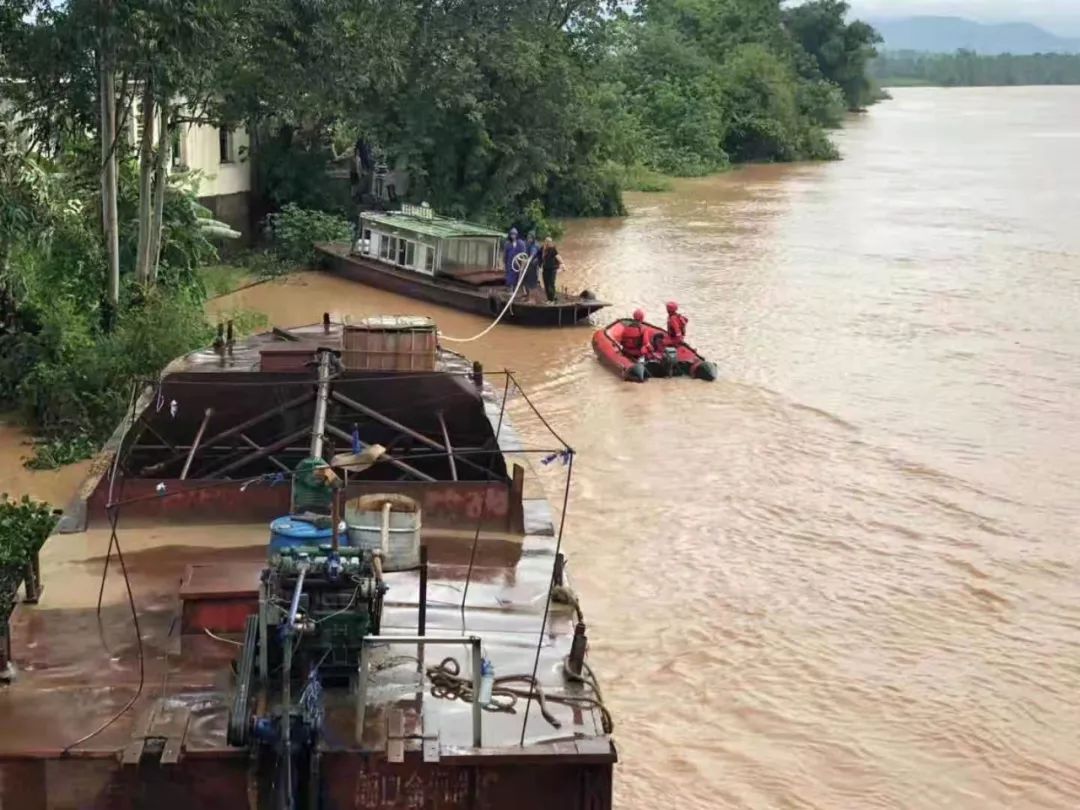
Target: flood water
[[846, 575]]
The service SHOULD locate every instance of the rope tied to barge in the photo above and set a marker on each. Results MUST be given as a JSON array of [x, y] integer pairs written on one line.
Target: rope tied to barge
[[509, 302]]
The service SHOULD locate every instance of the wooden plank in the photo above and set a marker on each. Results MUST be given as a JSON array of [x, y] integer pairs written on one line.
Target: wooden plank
[[171, 724], [134, 750], [164, 721], [133, 753], [170, 755]]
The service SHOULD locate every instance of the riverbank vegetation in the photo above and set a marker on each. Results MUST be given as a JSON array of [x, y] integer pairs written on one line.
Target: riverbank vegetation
[[969, 69], [501, 111], [24, 526], [68, 354]]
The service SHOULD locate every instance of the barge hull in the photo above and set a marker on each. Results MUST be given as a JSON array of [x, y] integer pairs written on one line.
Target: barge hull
[[352, 781], [459, 296]]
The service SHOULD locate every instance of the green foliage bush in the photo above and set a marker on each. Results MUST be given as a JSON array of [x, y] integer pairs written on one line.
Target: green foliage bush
[[296, 230], [66, 367], [642, 178], [79, 383], [24, 526], [290, 168]]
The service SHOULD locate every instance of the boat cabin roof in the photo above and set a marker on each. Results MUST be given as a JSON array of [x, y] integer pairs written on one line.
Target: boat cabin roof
[[431, 225]]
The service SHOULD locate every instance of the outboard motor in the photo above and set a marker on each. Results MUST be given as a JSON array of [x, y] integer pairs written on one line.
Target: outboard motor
[[669, 362]]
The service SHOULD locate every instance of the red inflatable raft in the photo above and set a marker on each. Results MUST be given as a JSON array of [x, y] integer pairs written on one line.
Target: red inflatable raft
[[663, 361]]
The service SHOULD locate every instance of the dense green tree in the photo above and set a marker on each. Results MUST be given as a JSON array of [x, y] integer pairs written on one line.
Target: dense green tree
[[839, 50], [493, 107]]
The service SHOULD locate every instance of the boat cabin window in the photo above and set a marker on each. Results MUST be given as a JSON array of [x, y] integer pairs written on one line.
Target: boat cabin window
[[400, 251]]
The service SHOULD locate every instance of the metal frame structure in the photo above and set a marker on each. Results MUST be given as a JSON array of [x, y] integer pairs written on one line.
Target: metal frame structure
[[218, 459]]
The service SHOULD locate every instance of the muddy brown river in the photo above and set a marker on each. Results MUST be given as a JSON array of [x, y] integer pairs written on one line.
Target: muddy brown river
[[846, 575]]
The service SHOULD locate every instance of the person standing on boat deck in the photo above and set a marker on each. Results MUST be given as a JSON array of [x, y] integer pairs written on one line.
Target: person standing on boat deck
[[550, 263], [514, 248], [532, 271], [676, 325]]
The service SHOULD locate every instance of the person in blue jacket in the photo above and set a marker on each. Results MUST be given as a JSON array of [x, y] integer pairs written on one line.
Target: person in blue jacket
[[532, 271], [514, 247]]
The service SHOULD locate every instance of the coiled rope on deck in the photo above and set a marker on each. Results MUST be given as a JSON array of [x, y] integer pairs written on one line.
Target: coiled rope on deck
[[509, 302], [447, 682]]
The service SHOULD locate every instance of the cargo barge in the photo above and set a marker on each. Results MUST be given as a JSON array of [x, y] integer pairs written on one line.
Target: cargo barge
[[173, 654]]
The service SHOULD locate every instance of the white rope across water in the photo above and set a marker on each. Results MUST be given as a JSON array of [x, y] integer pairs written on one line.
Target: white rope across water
[[505, 309]]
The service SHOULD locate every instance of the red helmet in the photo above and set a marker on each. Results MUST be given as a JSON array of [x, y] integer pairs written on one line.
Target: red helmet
[[672, 307], [639, 314]]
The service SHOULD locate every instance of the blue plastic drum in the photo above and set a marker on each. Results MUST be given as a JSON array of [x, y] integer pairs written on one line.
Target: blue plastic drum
[[290, 532]]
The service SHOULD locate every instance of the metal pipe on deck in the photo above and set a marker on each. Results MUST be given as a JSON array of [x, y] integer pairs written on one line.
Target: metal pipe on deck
[[256, 446], [270, 448], [477, 707], [335, 517], [421, 618], [321, 401], [395, 425], [225, 434], [294, 607], [195, 444], [449, 447], [286, 717]]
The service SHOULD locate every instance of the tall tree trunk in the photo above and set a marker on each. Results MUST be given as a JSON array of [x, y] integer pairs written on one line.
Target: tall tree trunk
[[146, 173], [163, 157], [110, 227]]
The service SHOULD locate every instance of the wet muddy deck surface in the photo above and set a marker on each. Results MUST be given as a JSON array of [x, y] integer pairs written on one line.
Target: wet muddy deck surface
[[79, 669]]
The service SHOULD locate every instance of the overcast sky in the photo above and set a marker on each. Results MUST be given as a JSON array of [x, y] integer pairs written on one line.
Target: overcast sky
[[1060, 16]]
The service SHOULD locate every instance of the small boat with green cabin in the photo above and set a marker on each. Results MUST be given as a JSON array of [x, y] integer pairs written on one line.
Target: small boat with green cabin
[[416, 252]]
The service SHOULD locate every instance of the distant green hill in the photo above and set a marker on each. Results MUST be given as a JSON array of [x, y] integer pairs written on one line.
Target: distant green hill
[[950, 34]]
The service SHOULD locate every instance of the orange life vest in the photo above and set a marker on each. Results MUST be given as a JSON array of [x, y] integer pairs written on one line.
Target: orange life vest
[[633, 339]]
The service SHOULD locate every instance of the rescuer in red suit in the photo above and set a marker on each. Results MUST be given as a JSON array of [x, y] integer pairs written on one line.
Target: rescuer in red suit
[[633, 336], [676, 325]]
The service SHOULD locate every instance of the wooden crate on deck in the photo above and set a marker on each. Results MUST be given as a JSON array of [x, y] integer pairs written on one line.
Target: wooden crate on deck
[[390, 343], [287, 356]]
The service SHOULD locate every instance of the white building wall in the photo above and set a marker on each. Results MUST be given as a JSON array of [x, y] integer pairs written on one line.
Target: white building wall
[[200, 150]]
